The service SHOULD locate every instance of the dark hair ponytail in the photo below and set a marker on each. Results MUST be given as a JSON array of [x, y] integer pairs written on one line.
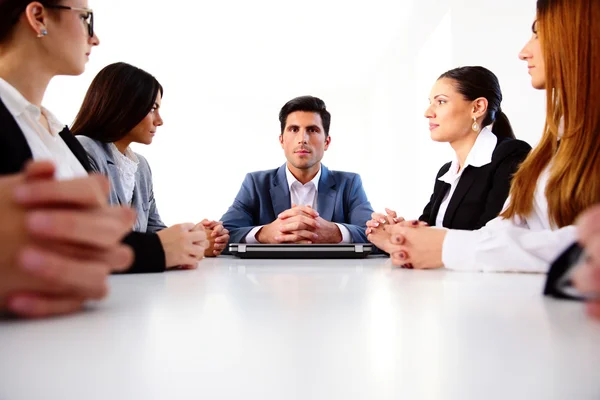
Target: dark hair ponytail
[[502, 127], [476, 82]]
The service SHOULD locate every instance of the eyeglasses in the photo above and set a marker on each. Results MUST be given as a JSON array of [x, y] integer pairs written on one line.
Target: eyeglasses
[[89, 17]]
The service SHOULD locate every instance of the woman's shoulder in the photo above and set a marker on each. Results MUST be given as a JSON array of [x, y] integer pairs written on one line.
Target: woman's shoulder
[[511, 148], [142, 160], [97, 153], [143, 165], [445, 168], [92, 146]]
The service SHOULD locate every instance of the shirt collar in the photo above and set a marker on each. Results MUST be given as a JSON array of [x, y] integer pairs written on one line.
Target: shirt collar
[[480, 155], [12, 99], [128, 157], [291, 179], [17, 105], [56, 126]]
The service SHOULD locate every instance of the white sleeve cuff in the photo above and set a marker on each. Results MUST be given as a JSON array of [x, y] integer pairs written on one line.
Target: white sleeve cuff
[[251, 236], [455, 255], [510, 249], [346, 237]]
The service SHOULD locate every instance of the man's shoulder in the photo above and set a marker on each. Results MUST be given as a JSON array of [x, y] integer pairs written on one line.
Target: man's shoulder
[[264, 173], [260, 182], [343, 175], [263, 177]]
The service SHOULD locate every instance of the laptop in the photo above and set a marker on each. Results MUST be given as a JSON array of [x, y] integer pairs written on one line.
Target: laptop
[[316, 251]]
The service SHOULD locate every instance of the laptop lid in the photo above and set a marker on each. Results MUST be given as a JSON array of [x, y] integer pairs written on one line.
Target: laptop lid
[[316, 251]]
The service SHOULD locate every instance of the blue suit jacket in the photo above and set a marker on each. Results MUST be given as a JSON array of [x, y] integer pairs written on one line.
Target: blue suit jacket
[[265, 194], [101, 160]]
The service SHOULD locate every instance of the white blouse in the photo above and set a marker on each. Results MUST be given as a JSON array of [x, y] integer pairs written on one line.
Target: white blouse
[[127, 164], [516, 245], [44, 144], [480, 155]]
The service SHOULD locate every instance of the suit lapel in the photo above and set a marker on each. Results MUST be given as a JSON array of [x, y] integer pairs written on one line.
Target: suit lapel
[[76, 148], [280, 192], [114, 175], [464, 184], [326, 194], [14, 149], [441, 188], [115, 181], [136, 204]]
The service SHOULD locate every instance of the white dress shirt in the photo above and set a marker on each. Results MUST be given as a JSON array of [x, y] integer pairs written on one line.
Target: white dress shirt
[[127, 164], [516, 245], [480, 155], [44, 145], [302, 195]]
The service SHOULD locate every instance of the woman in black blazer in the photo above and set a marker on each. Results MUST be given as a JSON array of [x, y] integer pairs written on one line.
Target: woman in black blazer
[[471, 190], [56, 266], [53, 39]]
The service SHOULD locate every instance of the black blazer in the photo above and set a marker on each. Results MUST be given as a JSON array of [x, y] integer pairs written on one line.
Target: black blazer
[[15, 152], [481, 191]]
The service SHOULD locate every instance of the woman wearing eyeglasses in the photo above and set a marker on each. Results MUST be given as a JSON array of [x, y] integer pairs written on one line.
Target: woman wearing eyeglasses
[[558, 180], [122, 106], [58, 239], [38, 41]]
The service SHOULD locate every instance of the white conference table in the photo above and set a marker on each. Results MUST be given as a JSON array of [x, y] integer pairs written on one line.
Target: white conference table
[[305, 329]]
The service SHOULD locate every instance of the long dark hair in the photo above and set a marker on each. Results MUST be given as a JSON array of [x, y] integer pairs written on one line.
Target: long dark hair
[[118, 99], [11, 10], [476, 82]]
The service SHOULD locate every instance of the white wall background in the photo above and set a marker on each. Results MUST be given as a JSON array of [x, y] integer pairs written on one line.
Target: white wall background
[[228, 66]]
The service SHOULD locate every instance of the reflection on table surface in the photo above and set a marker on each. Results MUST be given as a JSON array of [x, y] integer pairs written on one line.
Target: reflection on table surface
[[308, 329]]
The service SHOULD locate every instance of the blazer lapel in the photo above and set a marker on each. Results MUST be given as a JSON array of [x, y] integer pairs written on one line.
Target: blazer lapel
[[280, 192], [465, 182], [115, 181], [441, 188], [14, 149], [137, 203], [114, 175], [76, 148], [326, 194]]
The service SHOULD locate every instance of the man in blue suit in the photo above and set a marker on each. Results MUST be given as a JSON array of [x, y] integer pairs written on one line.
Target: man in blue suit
[[301, 201]]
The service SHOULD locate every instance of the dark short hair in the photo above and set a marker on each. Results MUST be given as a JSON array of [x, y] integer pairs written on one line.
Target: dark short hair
[[11, 10], [476, 82], [118, 99], [307, 104]]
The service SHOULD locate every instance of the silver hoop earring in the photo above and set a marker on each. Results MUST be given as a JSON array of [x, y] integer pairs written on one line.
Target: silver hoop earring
[[42, 33], [475, 125]]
